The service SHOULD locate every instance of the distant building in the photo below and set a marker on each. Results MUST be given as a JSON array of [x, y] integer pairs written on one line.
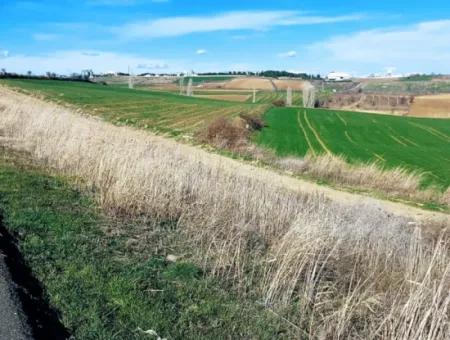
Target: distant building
[[338, 76]]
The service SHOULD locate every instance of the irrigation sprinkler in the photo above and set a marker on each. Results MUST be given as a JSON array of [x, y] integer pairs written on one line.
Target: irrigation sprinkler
[[309, 95], [130, 79], [181, 82], [289, 97], [189, 91]]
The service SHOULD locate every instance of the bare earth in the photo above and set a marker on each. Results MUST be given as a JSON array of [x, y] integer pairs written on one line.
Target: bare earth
[[436, 106], [271, 177]]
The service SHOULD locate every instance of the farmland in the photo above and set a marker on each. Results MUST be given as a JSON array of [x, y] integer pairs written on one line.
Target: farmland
[[224, 223], [147, 109], [262, 97], [208, 79], [413, 143]]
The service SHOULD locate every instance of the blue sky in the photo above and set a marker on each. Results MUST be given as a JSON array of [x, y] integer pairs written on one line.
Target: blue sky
[[359, 37]]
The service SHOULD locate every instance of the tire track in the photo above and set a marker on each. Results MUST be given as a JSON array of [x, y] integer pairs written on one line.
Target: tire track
[[398, 140], [341, 119], [349, 138], [305, 134], [432, 131], [322, 144]]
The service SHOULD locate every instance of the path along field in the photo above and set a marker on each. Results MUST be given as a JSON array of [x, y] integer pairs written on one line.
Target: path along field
[[414, 143], [162, 111]]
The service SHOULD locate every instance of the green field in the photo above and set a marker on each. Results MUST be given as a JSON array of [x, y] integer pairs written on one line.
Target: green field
[[413, 143], [207, 79], [262, 97], [153, 109]]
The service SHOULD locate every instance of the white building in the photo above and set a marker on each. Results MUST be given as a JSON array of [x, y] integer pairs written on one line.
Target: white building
[[338, 76]]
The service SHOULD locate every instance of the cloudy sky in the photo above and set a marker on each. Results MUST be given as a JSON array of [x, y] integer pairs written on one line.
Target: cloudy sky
[[359, 37]]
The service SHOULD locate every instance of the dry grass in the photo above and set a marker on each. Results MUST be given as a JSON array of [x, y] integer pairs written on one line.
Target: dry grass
[[334, 271], [225, 133], [396, 182]]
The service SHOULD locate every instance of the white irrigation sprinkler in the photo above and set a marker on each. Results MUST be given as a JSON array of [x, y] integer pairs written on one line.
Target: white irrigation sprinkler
[[309, 95], [189, 91], [181, 85], [289, 97], [130, 79]]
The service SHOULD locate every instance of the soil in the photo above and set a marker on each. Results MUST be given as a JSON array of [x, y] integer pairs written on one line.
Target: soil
[[434, 106]]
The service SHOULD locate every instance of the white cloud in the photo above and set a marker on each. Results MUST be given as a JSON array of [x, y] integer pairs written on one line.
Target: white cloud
[[200, 52], [4, 54], [290, 54], [424, 46], [66, 62], [242, 20]]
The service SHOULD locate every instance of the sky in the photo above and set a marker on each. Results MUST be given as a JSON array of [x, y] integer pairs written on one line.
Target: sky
[[358, 37]]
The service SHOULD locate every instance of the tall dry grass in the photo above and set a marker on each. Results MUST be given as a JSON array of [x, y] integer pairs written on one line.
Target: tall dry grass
[[395, 182], [334, 271]]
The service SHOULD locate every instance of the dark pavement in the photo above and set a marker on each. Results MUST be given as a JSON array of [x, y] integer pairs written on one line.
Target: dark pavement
[[13, 324]]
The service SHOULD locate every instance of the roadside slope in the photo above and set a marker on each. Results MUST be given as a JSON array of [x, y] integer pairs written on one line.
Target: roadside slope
[[337, 265], [12, 99]]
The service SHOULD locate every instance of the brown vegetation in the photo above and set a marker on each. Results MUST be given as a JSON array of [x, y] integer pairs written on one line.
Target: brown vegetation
[[396, 182], [333, 271], [225, 133], [436, 106]]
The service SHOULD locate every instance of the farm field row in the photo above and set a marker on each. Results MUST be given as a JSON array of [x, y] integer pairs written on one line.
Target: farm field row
[[414, 143], [158, 110], [262, 97]]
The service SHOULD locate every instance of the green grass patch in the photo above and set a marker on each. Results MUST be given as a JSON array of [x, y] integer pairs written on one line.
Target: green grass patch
[[145, 109], [104, 289], [208, 79], [414, 143]]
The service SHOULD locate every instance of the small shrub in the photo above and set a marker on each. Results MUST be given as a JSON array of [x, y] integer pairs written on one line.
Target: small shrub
[[254, 123], [279, 103], [223, 133]]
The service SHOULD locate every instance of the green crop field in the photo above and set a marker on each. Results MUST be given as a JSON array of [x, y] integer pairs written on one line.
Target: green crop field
[[207, 79], [414, 143], [268, 97], [153, 109], [262, 97]]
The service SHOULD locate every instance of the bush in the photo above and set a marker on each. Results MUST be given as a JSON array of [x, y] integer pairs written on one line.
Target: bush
[[254, 123], [223, 133], [279, 103]]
